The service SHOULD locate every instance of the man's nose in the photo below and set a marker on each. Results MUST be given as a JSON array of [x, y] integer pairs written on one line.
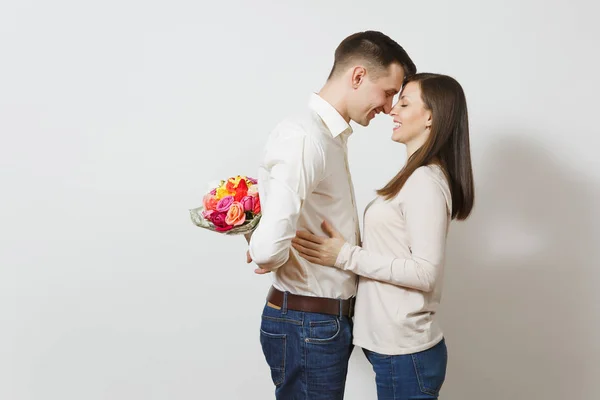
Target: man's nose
[[387, 107]]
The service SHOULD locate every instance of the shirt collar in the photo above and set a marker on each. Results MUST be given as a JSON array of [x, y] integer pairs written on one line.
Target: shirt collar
[[330, 116]]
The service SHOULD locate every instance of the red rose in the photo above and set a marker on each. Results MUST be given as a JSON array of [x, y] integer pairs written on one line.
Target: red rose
[[241, 191], [256, 209], [218, 219]]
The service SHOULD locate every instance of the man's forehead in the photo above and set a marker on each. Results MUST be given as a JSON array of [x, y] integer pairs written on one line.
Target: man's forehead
[[395, 76]]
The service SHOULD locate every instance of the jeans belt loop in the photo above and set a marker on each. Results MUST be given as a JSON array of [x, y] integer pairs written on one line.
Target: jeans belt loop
[[284, 305]]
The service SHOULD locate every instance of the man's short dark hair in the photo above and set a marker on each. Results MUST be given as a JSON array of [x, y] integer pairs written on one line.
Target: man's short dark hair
[[374, 48]]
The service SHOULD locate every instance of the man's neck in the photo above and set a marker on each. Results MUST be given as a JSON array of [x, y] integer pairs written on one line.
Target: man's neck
[[334, 96]]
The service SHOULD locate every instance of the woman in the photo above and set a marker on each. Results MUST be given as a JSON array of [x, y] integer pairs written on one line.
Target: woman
[[400, 264]]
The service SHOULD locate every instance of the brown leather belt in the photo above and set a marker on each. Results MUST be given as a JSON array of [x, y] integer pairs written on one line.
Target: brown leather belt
[[320, 305]]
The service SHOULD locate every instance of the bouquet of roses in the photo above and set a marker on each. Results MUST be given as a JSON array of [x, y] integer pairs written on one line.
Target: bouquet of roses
[[233, 207]]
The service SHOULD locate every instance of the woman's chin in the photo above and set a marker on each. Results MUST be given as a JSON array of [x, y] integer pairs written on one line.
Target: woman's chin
[[396, 138]]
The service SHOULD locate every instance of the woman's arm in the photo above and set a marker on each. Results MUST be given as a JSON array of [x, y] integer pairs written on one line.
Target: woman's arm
[[426, 214]]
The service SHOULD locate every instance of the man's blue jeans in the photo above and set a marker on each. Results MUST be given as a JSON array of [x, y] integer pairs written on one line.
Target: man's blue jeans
[[307, 353], [417, 376]]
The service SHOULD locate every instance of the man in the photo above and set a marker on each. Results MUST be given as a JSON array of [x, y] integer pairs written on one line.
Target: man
[[306, 332]]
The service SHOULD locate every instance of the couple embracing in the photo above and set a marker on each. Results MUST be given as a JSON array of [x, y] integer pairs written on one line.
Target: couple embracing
[[331, 289]]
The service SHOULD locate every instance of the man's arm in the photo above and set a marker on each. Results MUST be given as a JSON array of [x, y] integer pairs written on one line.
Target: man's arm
[[297, 164]]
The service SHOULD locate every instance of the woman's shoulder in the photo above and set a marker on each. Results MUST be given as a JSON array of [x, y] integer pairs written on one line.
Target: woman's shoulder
[[429, 180], [428, 174]]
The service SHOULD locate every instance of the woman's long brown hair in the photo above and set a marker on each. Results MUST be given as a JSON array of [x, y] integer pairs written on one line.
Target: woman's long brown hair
[[447, 145]]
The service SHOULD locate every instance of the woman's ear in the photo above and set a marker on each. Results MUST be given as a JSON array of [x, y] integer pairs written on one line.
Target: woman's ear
[[429, 120]]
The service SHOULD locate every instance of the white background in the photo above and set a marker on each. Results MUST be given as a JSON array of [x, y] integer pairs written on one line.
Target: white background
[[114, 115]]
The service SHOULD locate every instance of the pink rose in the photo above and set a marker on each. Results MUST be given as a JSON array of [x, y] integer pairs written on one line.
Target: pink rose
[[248, 203], [252, 180], [236, 215], [219, 220], [210, 202], [207, 214], [224, 204]]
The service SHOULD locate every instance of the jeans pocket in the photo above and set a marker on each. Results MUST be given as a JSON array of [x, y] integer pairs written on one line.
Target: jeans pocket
[[274, 347], [323, 331], [430, 367]]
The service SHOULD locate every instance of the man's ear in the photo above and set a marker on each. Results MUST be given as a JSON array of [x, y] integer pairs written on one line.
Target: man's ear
[[358, 76]]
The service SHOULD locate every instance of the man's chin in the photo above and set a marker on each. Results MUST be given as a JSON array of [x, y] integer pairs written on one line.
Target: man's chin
[[365, 121]]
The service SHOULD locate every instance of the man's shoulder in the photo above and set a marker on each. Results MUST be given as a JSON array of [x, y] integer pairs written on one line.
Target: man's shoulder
[[306, 123]]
